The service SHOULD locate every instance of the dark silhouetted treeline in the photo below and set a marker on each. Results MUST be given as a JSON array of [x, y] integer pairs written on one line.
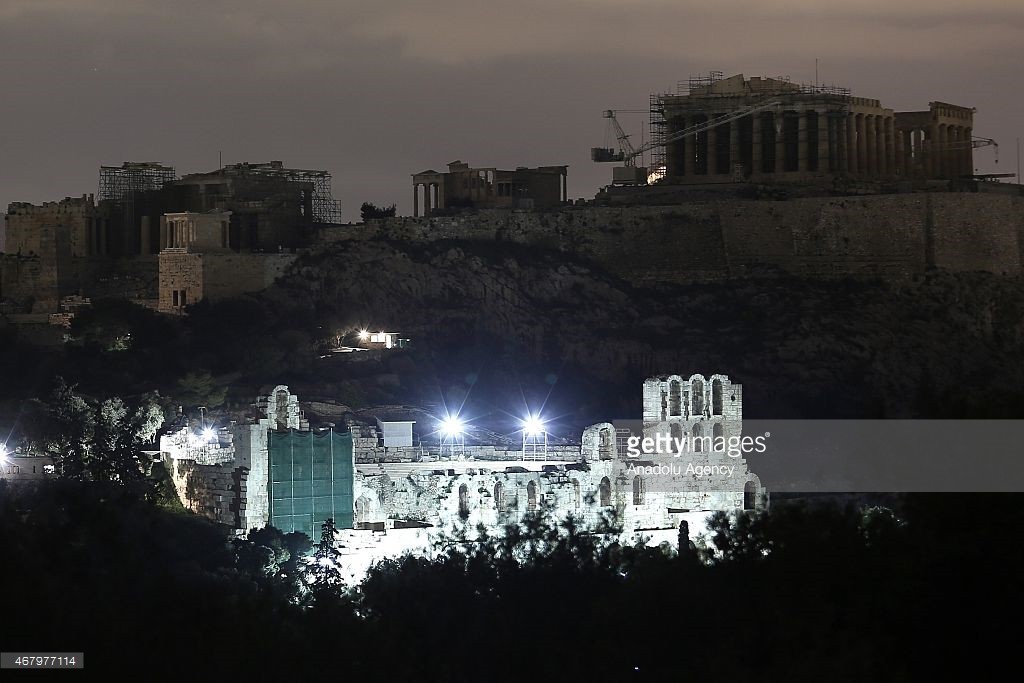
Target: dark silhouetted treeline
[[804, 593]]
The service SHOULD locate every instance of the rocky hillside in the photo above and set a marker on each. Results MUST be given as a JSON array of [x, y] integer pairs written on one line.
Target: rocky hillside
[[944, 345]]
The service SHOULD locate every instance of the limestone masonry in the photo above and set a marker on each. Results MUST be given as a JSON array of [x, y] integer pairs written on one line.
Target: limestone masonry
[[402, 497]]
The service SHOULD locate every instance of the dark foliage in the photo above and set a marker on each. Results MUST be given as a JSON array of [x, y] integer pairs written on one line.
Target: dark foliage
[[800, 594]]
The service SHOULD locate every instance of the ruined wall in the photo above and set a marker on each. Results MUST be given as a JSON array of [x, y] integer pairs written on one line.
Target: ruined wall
[[215, 275], [87, 228], [891, 236]]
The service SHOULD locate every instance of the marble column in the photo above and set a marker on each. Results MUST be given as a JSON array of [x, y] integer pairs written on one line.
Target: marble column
[[779, 121], [801, 142], [734, 145], [755, 144], [415, 199], [862, 145], [825, 137]]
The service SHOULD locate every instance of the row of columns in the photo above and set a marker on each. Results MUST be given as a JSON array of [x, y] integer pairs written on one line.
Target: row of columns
[[937, 150], [839, 142], [431, 197], [177, 234], [96, 236]]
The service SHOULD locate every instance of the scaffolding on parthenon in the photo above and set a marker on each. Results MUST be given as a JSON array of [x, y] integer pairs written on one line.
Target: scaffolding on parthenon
[[119, 182], [325, 208]]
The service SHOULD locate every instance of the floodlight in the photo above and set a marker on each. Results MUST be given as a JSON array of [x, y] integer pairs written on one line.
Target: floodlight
[[533, 425], [209, 434], [3, 453], [452, 427], [363, 334]]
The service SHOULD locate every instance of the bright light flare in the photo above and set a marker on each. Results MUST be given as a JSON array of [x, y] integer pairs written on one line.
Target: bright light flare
[[533, 425], [452, 426], [3, 453], [209, 434], [363, 335]]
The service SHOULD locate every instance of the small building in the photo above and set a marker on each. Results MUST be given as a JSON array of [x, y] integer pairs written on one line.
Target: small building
[[197, 261], [396, 433], [17, 467], [489, 188], [383, 340]]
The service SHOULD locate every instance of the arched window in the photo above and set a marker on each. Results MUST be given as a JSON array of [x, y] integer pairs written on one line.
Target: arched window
[[674, 398], [606, 492], [698, 438], [575, 494], [749, 495], [464, 501], [718, 438], [606, 447], [531, 497], [676, 432], [499, 498], [716, 397], [638, 490], [698, 397]]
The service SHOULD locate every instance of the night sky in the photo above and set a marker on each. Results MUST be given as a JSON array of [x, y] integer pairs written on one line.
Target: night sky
[[375, 91]]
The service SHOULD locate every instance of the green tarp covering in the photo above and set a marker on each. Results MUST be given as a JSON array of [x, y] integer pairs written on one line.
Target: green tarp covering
[[311, 479]]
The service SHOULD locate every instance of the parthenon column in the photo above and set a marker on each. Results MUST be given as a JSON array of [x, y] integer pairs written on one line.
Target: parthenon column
[[842, 147], [755, 143], [801, 142], [825, 136], [881, 147], [871, 158], [890, 146], [415, 200], [862, 145], [968, 160], [851, 143], [779, 120], [931, 146], [689, 155], [900, 142], [426, 199], [712, 153], [734, 145]]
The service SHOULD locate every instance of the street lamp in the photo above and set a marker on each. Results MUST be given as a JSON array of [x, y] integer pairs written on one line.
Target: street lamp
[[452, 432], [535, 438]]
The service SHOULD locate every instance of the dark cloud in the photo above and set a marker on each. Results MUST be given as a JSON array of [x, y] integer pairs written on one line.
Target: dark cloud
[[376, 91]]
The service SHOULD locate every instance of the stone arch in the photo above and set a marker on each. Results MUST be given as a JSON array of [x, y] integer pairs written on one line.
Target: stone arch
[[638, 490], [718, 438], [499, 498], [716, 396], [605, 490], [697, 394], [749, 495], [365, 509], [606, 444], [698, 438], [464, 501], [675, 398], [531, 496], [676, 432]]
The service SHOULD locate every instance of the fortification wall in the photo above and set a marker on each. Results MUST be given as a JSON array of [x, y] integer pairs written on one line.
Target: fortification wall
[[889, 236]]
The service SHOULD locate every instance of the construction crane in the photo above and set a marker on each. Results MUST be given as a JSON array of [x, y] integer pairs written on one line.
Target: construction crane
[[974, 143], [628, 154]]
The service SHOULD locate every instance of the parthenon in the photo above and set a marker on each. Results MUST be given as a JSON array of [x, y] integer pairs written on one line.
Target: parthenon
[[773, 128]]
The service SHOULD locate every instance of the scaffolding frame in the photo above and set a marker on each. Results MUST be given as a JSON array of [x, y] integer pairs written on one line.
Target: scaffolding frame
[[121, 184], [326, 209]]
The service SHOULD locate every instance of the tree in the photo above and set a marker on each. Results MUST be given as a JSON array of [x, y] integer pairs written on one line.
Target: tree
[[370, 211], [325, 573], [98, 440], [199, 389]]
